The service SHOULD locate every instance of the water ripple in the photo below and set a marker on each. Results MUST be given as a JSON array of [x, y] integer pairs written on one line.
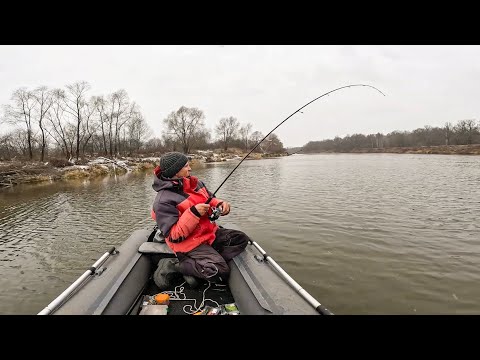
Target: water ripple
[[363, 233]]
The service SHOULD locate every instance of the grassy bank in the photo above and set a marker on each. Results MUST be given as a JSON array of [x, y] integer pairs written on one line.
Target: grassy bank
[[443, 150]]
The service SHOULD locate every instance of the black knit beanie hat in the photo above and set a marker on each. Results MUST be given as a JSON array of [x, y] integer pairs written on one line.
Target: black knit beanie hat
[[171, 163]]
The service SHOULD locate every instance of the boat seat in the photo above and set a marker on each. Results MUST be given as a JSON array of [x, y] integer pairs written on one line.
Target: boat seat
[[151, 247]]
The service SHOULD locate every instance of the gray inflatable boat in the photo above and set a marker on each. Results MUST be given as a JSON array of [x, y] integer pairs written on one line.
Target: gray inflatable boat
[[119, 281]]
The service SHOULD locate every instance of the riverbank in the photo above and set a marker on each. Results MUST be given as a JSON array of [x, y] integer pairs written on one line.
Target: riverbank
[[442, 150], [21, 172], [29, 172]]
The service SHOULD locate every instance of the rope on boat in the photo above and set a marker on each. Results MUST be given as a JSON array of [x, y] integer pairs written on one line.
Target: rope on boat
[[179, 295]]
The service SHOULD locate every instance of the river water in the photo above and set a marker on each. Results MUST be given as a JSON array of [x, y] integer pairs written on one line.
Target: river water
[[362, 233]]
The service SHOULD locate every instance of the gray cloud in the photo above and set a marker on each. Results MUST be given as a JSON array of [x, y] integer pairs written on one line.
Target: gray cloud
[[264, 84]]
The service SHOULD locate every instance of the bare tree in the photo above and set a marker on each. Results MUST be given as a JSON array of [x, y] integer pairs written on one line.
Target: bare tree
[[120, 98], [109, 122], [89, 125], [201, 139], [138, 130], [7, 146], [118, 104], [276, 145], [58, 122], [170, 142], [20, 140], [472, 130], [185, 123], [132, 113], [379, 140], [371, 139], [154, 145], [255, 138], [448, 128], [75, 102], [22, 112], [43, 100], [465, 131], [427, 134], [226, 129], [244, 131], [99, 103]]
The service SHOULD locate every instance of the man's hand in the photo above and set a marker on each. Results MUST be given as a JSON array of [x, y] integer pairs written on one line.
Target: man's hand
[[202, 208], [225, 208]]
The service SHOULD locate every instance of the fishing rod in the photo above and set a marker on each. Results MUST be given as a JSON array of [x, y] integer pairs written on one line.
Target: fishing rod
[[331, 91], [216, 214]]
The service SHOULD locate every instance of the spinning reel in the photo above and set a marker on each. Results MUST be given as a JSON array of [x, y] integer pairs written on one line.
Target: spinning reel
[[216, 212]]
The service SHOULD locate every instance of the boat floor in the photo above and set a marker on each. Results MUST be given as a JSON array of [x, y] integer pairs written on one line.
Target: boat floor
[[186, 301]]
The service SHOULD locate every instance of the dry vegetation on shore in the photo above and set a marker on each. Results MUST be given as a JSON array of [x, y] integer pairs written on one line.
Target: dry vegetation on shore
[[21, 172]]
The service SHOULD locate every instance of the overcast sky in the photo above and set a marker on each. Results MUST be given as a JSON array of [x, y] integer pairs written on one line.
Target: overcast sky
[[424, 85]]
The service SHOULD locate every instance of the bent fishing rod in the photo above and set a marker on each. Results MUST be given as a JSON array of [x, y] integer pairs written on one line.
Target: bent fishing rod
[[310, 299], [331, 91]]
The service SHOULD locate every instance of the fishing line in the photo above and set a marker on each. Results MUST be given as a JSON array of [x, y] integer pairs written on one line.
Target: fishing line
[[329, 92]]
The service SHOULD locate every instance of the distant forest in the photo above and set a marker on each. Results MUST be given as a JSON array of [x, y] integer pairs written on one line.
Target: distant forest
[[464, 132], [67, 123]]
